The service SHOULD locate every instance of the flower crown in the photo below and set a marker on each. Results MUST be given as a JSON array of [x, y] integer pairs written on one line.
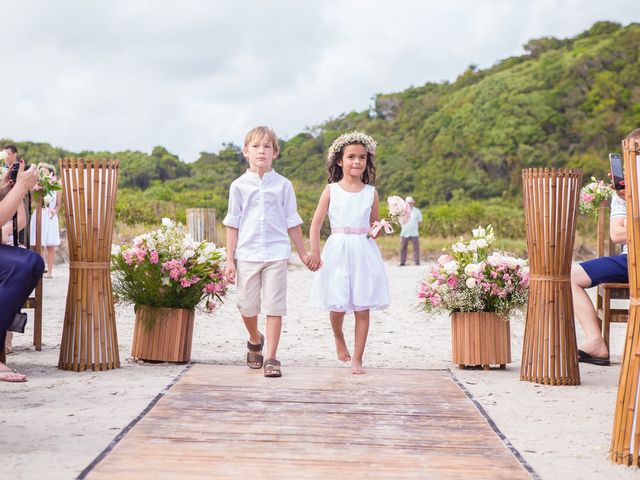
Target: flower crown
[[348, 139]]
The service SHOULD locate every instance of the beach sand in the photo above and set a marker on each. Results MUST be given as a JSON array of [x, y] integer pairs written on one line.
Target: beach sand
[[55, 425]]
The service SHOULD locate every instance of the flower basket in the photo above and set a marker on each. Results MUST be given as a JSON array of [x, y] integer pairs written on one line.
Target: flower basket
[[479, 289], [167, 275], [480, 338], [162, 334]]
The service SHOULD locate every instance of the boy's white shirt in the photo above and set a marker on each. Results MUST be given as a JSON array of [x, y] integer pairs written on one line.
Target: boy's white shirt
[[263, 210]]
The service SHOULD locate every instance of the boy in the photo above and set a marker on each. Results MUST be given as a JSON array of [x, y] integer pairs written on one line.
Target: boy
[[262, 215]]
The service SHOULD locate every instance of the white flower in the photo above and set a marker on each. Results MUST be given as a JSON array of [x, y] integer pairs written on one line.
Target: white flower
[[3, 154], [471, 282], [115, 249], [473, 268], [473, 246], [459, 247], [478, 232], [450, 267], [167, 222], [188, 253], [482, 243], [165, 281]]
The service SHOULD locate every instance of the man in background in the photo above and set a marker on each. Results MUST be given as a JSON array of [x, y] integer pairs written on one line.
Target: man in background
[[409, 232]]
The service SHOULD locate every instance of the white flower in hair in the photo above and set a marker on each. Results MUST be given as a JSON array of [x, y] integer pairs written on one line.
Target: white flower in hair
[[349, 139]]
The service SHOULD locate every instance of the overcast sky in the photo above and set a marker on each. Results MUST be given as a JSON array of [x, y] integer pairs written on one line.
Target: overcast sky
[[190, 75]]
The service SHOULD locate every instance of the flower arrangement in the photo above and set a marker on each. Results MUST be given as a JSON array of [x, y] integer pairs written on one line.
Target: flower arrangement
[[399, 214], [47, 182], [166, 268], [469, 278], [592, 195]]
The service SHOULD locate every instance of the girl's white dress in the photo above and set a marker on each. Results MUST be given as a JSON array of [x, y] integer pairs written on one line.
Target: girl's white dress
[[50, 229], [352, 277]]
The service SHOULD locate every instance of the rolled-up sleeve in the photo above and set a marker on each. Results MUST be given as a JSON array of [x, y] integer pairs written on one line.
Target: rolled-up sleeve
[[234, 211], [290, 206]]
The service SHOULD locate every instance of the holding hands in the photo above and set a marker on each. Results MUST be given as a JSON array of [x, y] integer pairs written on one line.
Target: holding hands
[[313, 261]]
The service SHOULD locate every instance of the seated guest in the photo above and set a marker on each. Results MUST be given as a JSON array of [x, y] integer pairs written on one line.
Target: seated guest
[[588, 274], [20, 269]]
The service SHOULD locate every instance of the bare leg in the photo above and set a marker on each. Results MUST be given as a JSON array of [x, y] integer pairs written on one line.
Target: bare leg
[[8, 375], [274, 327], [586, 314], [251, 323], [51, 256], [362, 330], [337, 319], [8, 342]]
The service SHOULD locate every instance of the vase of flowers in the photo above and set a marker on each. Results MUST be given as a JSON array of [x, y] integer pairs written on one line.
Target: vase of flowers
[[592, 195], [479, 288], [166, 276]]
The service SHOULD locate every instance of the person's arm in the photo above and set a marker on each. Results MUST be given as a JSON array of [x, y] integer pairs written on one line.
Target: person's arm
[[314, 231], [25, 181], [618, 229], [295, 233], [375, 213], [56, 209], [232, 222], [230, 264]]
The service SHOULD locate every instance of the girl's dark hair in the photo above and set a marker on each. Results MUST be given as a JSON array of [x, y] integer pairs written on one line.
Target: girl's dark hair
[[335, 170]]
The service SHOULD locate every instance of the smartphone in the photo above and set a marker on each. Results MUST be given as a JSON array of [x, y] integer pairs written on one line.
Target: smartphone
[[617, 176], [13, 172]]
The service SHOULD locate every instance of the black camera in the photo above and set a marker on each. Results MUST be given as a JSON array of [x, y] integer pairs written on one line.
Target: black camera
[[13, 171]]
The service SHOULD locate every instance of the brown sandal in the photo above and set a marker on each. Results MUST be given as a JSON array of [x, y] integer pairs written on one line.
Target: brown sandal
[[272, 368], [255, 358]]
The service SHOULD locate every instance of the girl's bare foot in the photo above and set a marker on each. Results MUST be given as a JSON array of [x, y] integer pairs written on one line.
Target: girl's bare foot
[[356, 368], [341, 349]]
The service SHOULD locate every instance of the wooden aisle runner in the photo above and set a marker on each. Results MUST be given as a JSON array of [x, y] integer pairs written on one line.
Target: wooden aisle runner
[[222, 421]]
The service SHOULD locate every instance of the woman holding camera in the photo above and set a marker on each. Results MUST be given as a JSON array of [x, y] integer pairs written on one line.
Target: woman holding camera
[[20, 269]]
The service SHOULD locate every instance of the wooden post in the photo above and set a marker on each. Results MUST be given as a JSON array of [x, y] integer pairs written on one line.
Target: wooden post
[[201, 224], [549, 349], [625, 441], [89, 339], [37, 307]]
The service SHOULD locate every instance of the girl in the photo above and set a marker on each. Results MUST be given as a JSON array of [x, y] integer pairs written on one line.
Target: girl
[[50, 228], [353, 278]]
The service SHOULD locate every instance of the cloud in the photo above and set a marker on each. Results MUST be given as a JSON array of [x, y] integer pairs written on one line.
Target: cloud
[[133, 74]]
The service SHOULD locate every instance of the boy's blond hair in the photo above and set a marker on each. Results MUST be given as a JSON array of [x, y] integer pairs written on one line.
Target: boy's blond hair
[[259, 133]]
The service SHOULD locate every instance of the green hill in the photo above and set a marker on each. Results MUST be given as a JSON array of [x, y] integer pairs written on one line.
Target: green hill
[[457, 147]]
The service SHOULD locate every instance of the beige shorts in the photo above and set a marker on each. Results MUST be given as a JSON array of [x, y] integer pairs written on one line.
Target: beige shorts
[[266, 281]]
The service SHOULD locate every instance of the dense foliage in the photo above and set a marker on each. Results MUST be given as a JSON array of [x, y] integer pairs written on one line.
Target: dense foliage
[[457, 147]]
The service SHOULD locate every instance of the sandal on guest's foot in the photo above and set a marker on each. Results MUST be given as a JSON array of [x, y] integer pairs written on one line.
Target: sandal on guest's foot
[[10, 375], [585, 357], [255, 360], [272, 368]]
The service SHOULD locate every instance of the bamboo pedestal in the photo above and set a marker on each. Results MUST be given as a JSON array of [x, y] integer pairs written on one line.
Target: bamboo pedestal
[[162, 334], [89, 339], [480, 338], [625, 439], [549, 350]]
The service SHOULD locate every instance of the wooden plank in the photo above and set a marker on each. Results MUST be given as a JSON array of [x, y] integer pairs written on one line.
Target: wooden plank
[[230, 422]]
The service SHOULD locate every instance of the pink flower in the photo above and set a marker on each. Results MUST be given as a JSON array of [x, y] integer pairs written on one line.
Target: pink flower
[[452, 282], [154, 257]]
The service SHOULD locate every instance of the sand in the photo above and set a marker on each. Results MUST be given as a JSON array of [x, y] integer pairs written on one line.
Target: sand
[[55, 425]]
